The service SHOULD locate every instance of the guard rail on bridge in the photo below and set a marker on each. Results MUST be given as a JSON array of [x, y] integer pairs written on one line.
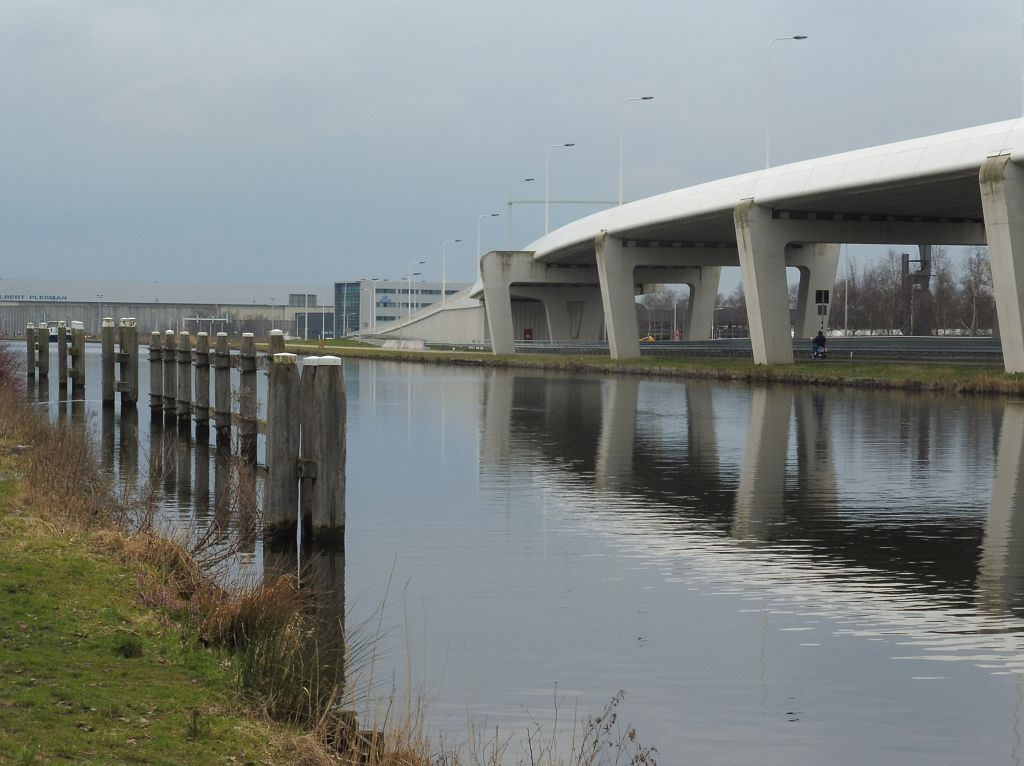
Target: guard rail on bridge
[[854, 348]]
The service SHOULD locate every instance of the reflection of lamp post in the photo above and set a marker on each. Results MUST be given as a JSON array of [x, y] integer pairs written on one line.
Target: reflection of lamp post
[[444, 267], [768, 100], [547, 178], [622, 109], [520, 181]]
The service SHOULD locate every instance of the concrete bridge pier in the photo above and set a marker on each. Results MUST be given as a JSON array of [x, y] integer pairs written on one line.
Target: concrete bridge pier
[[700, 312], [615, 268], [762, 249], [817, 264], [1002, 199]]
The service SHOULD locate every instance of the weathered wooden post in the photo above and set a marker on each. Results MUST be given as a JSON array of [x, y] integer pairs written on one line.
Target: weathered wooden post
[[309, 424], [170, 373], [276, 344], [222, 389], [128, 362], [324, 446], [77, 360], [280, 511], [43, 350], [62, 354], [107, 361], [30, 350], [247, 397], [183, 392], [156, 376], [202, 410]]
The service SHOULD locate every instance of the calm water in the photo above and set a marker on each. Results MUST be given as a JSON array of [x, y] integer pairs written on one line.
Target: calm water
[[774, 575]]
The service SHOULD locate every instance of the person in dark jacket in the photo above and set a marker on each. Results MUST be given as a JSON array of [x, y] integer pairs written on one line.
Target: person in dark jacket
[[818, 345]]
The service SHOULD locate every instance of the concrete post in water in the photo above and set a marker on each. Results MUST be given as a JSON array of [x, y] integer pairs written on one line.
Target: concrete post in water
[[282, 485], [128, 362], [325, 447], [156, 375], [202, 410], [107, 361], [222, 388], [276, 343], [43, 350], [62, 354], [170, 373], [247, 397], [30, 350], [183, 393]]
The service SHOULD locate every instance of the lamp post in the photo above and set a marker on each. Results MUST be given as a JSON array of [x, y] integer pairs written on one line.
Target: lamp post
[[99, 312], [768, 100], [524, 180], [622, 110], [479, 221], [444, 267], [547, 178], [408, 295]]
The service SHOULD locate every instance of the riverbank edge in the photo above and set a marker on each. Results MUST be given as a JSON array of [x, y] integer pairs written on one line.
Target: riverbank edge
[[920, 377]]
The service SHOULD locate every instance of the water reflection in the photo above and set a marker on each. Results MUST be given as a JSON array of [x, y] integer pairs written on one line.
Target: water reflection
[[826, 487]]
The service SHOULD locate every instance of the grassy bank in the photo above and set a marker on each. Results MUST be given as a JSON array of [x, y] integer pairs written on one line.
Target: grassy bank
[[952, 378]]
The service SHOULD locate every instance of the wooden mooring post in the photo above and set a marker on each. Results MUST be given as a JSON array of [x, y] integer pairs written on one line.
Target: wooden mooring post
[[170, 365], [127, 383], [275, 343], [183, 391], [317, 423], [30, 350], [202, 409], [43, 351], [77, 371], [222, 389], [62, 354], [156, 375], [247, 401], [107, 361]]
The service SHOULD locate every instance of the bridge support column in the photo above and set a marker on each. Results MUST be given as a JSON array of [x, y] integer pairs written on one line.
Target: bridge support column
[[1002, 199], [762, 249], [618, 294], [573, 313], [700, 313], [496, 273], [817, 264]]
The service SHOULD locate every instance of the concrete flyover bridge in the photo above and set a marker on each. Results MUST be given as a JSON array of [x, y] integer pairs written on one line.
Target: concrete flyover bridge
[[965, 187]]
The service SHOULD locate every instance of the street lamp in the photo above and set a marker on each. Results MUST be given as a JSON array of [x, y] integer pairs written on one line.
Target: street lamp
[[444, 267], [99, 311], [479, 221], [622, 110], [768, 100], [547, 178], [524, 180], [408, 293]]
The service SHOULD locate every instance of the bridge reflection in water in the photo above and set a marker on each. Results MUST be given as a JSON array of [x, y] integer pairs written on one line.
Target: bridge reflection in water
[[839, 523]]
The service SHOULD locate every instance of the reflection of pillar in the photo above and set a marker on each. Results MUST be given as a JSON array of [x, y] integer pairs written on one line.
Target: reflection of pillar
[[761, 492], [107, 438], [202, 450], [222, 485], [129, 443], [1001, 566], [497, 417], [816, 473], [618, 430], [702, 441], [325, 572]]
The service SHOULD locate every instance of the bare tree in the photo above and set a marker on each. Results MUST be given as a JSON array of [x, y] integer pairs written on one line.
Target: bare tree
[[976, 297]]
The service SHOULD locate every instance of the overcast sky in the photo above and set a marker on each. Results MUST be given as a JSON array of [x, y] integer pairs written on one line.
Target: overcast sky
[[324, 140]]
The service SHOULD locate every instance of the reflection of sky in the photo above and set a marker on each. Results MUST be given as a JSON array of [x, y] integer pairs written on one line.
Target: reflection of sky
[[834, 634]]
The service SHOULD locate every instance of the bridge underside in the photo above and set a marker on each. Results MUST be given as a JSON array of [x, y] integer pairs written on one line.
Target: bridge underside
[[764, 236]]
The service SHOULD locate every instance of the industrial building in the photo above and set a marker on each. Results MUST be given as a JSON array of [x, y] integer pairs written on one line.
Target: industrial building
[[367, 306]]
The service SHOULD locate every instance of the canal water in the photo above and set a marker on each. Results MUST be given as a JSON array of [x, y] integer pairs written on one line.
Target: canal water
[[773, 575]]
